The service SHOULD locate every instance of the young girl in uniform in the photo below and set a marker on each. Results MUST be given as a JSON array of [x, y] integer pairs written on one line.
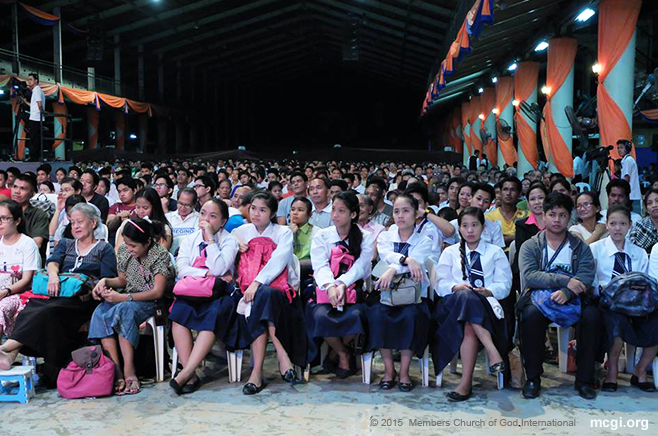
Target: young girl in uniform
[[274, 313], [406, 327], [469, 273], [338, 322], [616, 255]]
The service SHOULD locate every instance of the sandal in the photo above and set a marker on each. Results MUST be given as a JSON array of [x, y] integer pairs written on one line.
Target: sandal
[[119, 386], [132, 386]]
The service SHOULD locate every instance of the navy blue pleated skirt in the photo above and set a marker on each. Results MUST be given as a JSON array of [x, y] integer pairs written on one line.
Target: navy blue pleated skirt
[[399, 327], [217, 315], [451, 314], [641, 331], [323, 321], [271, 306]]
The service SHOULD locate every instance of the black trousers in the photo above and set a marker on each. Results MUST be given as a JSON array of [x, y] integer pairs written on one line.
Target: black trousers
[[533, 325], [35, 139]]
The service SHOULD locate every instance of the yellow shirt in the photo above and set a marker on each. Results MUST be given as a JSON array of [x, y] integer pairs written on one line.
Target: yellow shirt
[[508, 227]]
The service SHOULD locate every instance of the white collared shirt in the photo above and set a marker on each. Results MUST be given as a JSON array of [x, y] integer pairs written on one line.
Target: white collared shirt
[[420, 249], [180, 226], [220, 257], [431, 231], [321, 219], [629, 168], [604, 254], [635, 218], [495, 267], [281, 256], [491, 234], [653, 262], [321, 245]]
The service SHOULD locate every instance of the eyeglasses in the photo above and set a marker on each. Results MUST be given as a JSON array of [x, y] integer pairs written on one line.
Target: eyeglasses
[[161, 185], [584, 205], [199, 186], [6, 219], [185, 205]]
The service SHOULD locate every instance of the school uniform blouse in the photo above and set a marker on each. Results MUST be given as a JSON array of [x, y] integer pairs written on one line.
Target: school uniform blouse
[[653, 262], [497, 272], [432, 232], [389, 246], [220, 257], [281, 256], [604, 252], [322, 244]]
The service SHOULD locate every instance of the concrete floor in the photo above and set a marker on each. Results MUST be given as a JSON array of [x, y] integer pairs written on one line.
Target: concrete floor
[[330, 406]]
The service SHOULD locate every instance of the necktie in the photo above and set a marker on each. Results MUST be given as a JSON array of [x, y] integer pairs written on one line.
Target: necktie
[[476, 276], [620, 264], [202, 246], [401, 247]]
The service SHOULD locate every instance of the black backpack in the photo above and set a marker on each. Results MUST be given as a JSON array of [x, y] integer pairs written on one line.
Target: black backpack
[[633, 294]]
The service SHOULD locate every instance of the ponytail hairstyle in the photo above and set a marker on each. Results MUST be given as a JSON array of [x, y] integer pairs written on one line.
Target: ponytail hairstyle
[[355, 236], [470, 211], [140, 230]]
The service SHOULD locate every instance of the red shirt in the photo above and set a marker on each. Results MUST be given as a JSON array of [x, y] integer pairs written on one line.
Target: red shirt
[[120, 207], [6, 192]]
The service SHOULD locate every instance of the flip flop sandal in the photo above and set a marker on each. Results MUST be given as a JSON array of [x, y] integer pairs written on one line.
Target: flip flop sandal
[[119, 387], [130, 383]]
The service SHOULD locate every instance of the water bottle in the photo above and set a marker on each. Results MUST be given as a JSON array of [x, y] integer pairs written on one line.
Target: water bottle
[[32, 362]]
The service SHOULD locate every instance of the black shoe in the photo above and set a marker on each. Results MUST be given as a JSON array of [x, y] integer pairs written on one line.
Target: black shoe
[[585, 390], [497, 367], [609, 387], [330, 365], [252, 389], [531, 389], [405, 387], [643, 386], [191, 387], [290, 376], [178, 390], [343, 373], [456, 397], [387, 385]]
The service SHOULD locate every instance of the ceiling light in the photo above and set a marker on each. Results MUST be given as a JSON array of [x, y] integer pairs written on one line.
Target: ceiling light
[[585, 15], [2, 92], [495, 111], [132, 136], [515, 102], [541, 46], [481, 116], [597, 68], [494, 79], [546, 89], [512, 67], [480, 90]]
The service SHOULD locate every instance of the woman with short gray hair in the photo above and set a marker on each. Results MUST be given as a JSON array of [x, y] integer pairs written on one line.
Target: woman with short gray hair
[[48, 328]]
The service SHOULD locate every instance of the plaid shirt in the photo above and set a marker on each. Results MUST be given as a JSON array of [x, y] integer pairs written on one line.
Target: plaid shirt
[[644, 234]]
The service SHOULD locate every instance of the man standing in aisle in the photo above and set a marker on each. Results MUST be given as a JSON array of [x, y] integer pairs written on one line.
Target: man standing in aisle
[[37, 104], [629, 173]]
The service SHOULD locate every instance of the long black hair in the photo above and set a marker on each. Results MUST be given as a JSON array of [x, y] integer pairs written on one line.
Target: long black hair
[[140, 231], [158, 218], [270, 202], [355, 236], [468, 211]]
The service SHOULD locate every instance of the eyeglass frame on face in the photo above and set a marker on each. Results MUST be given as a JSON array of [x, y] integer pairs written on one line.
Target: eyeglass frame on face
[[584, 205], [199, 186], [184, 205], [6, 218], [160, 185]]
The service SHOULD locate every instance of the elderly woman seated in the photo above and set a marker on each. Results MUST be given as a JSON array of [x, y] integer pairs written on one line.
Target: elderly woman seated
[[48, 327]]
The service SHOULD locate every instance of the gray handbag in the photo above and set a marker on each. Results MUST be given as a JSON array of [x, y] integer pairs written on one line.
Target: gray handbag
[[403, 290]]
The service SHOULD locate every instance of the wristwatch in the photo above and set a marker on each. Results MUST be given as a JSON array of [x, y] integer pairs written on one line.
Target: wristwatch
[[129, 297], [403, 260]]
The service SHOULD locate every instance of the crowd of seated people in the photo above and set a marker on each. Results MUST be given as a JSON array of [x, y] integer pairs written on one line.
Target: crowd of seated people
[[334, 253]]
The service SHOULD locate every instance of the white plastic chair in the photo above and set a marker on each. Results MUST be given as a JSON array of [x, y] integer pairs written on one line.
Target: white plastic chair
[[423, 365], [563, 338], [158, 346], [633, 355], [582, 187]]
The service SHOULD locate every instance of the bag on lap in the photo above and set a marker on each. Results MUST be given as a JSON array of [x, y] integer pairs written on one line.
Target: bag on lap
[[633, 294], [403, 290], [90, 374], [254, 260], [340, 262], [70, 284], [200, 289]]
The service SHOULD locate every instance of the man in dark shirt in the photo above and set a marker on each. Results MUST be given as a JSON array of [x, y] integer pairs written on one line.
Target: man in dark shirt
[[90, 181], [36, 220]]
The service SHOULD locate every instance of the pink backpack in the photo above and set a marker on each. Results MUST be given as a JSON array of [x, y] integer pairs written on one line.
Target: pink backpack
[[199, 289], [90, 374], [339, 257], [254, 260]]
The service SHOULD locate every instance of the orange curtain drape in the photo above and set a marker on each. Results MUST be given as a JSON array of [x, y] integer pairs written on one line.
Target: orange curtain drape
[[525, 82], [120, 128], [22, 134], [487, 102], [617, 22], [504, 88], [454, 128], [466, 110], [561, 56], [62, 110], [475, 113]]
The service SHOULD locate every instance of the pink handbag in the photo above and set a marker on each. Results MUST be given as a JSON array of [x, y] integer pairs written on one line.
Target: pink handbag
[[339, 259], [90, 374], [254, 260], [198, 288]]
